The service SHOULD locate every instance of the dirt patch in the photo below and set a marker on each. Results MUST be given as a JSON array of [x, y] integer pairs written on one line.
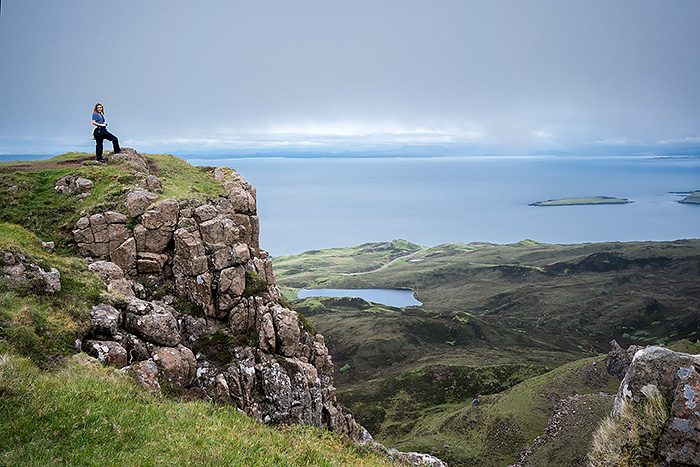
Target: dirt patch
[[153, 168], [77, 162]]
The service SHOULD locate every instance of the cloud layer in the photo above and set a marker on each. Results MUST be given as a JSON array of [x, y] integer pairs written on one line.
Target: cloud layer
[[510, 75]]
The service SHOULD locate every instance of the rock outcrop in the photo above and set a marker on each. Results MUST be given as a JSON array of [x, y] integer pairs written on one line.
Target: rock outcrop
[[18, 270], [233, 341], [675, 376]]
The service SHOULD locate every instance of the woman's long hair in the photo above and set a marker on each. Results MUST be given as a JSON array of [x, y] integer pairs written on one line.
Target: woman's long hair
[[98, 105]]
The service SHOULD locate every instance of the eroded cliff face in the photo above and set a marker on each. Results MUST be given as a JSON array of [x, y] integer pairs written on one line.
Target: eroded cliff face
[[238, 343]]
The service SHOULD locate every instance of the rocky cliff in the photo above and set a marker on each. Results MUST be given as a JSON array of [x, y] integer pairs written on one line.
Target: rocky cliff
[[195, 306]]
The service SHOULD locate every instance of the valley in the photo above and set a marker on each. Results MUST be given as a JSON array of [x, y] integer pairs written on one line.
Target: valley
[[493, 316]]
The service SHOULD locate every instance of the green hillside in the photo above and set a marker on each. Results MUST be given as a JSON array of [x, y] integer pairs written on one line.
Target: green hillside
[[84, 414]]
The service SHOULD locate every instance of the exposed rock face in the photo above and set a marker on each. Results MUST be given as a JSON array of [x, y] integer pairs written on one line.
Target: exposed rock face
[[618, 360], [245, 348], [72, 184], [132, 159], [17, 269], [676, 377]]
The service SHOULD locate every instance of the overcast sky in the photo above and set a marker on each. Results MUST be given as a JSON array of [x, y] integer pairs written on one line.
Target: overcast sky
[[491, 75]]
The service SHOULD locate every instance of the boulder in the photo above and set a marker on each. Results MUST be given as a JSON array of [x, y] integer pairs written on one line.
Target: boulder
[[232, 281], [163, 215], [195, 266], [83, 223], [138, 200], [152, 241], [287, 329], [276, 388], [108, 352], [83, 235], [150, 263], [157, 325], [212, 231], [133, 159], [187, 244], [94, 250], [176, 365], [145, 374], [72, 184], [117, 234], [266, 333], [107, 270], [242, 315], [657, 366], [104, 321], [114, 217], [83, 184], [154, 184], [125, 256], [205, 213], [680, 441]]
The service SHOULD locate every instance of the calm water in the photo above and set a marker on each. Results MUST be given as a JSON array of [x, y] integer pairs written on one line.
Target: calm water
[[309, 204], [314, 203], [397, 298]]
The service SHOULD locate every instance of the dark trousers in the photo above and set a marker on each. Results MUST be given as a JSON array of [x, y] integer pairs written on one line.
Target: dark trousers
[[100, 135]]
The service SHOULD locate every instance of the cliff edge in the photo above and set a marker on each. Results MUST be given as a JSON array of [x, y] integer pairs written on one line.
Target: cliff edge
[[237, 343]]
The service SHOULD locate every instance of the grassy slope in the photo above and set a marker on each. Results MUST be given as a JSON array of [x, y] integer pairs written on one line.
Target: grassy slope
[[84, 414], [73, 412], [494, 432]]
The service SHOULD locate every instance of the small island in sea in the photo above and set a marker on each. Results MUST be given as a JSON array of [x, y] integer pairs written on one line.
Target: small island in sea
[[582, 201], [692, 198]]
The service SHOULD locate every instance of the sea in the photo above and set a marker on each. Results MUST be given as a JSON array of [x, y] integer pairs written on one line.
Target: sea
[[323, 202], [315, 203]]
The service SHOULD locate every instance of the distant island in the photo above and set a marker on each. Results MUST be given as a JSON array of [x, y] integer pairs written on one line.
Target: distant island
[[582, 201], [692, 198]]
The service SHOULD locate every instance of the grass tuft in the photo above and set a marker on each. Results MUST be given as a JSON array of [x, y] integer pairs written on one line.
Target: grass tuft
[[630, 439]]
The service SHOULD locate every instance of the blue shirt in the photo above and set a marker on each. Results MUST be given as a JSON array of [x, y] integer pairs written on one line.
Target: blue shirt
[[98, 117]]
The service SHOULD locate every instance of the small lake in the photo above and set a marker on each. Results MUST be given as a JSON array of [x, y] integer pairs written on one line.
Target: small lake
[[391, 297]]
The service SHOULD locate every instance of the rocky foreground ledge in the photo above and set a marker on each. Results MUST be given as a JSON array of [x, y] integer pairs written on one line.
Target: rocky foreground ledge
[[237, 342]]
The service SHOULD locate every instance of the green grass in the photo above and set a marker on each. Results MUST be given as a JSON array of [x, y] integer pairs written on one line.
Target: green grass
[[630, 439], [313, 268], [494, 432], [182, 180], [44, 326], [84, 414]]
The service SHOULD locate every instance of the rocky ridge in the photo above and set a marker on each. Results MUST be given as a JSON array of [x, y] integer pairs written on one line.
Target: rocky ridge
[[197, 309]]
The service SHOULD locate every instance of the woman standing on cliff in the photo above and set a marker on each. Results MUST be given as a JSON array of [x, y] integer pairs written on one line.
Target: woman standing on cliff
[[100, 132]]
